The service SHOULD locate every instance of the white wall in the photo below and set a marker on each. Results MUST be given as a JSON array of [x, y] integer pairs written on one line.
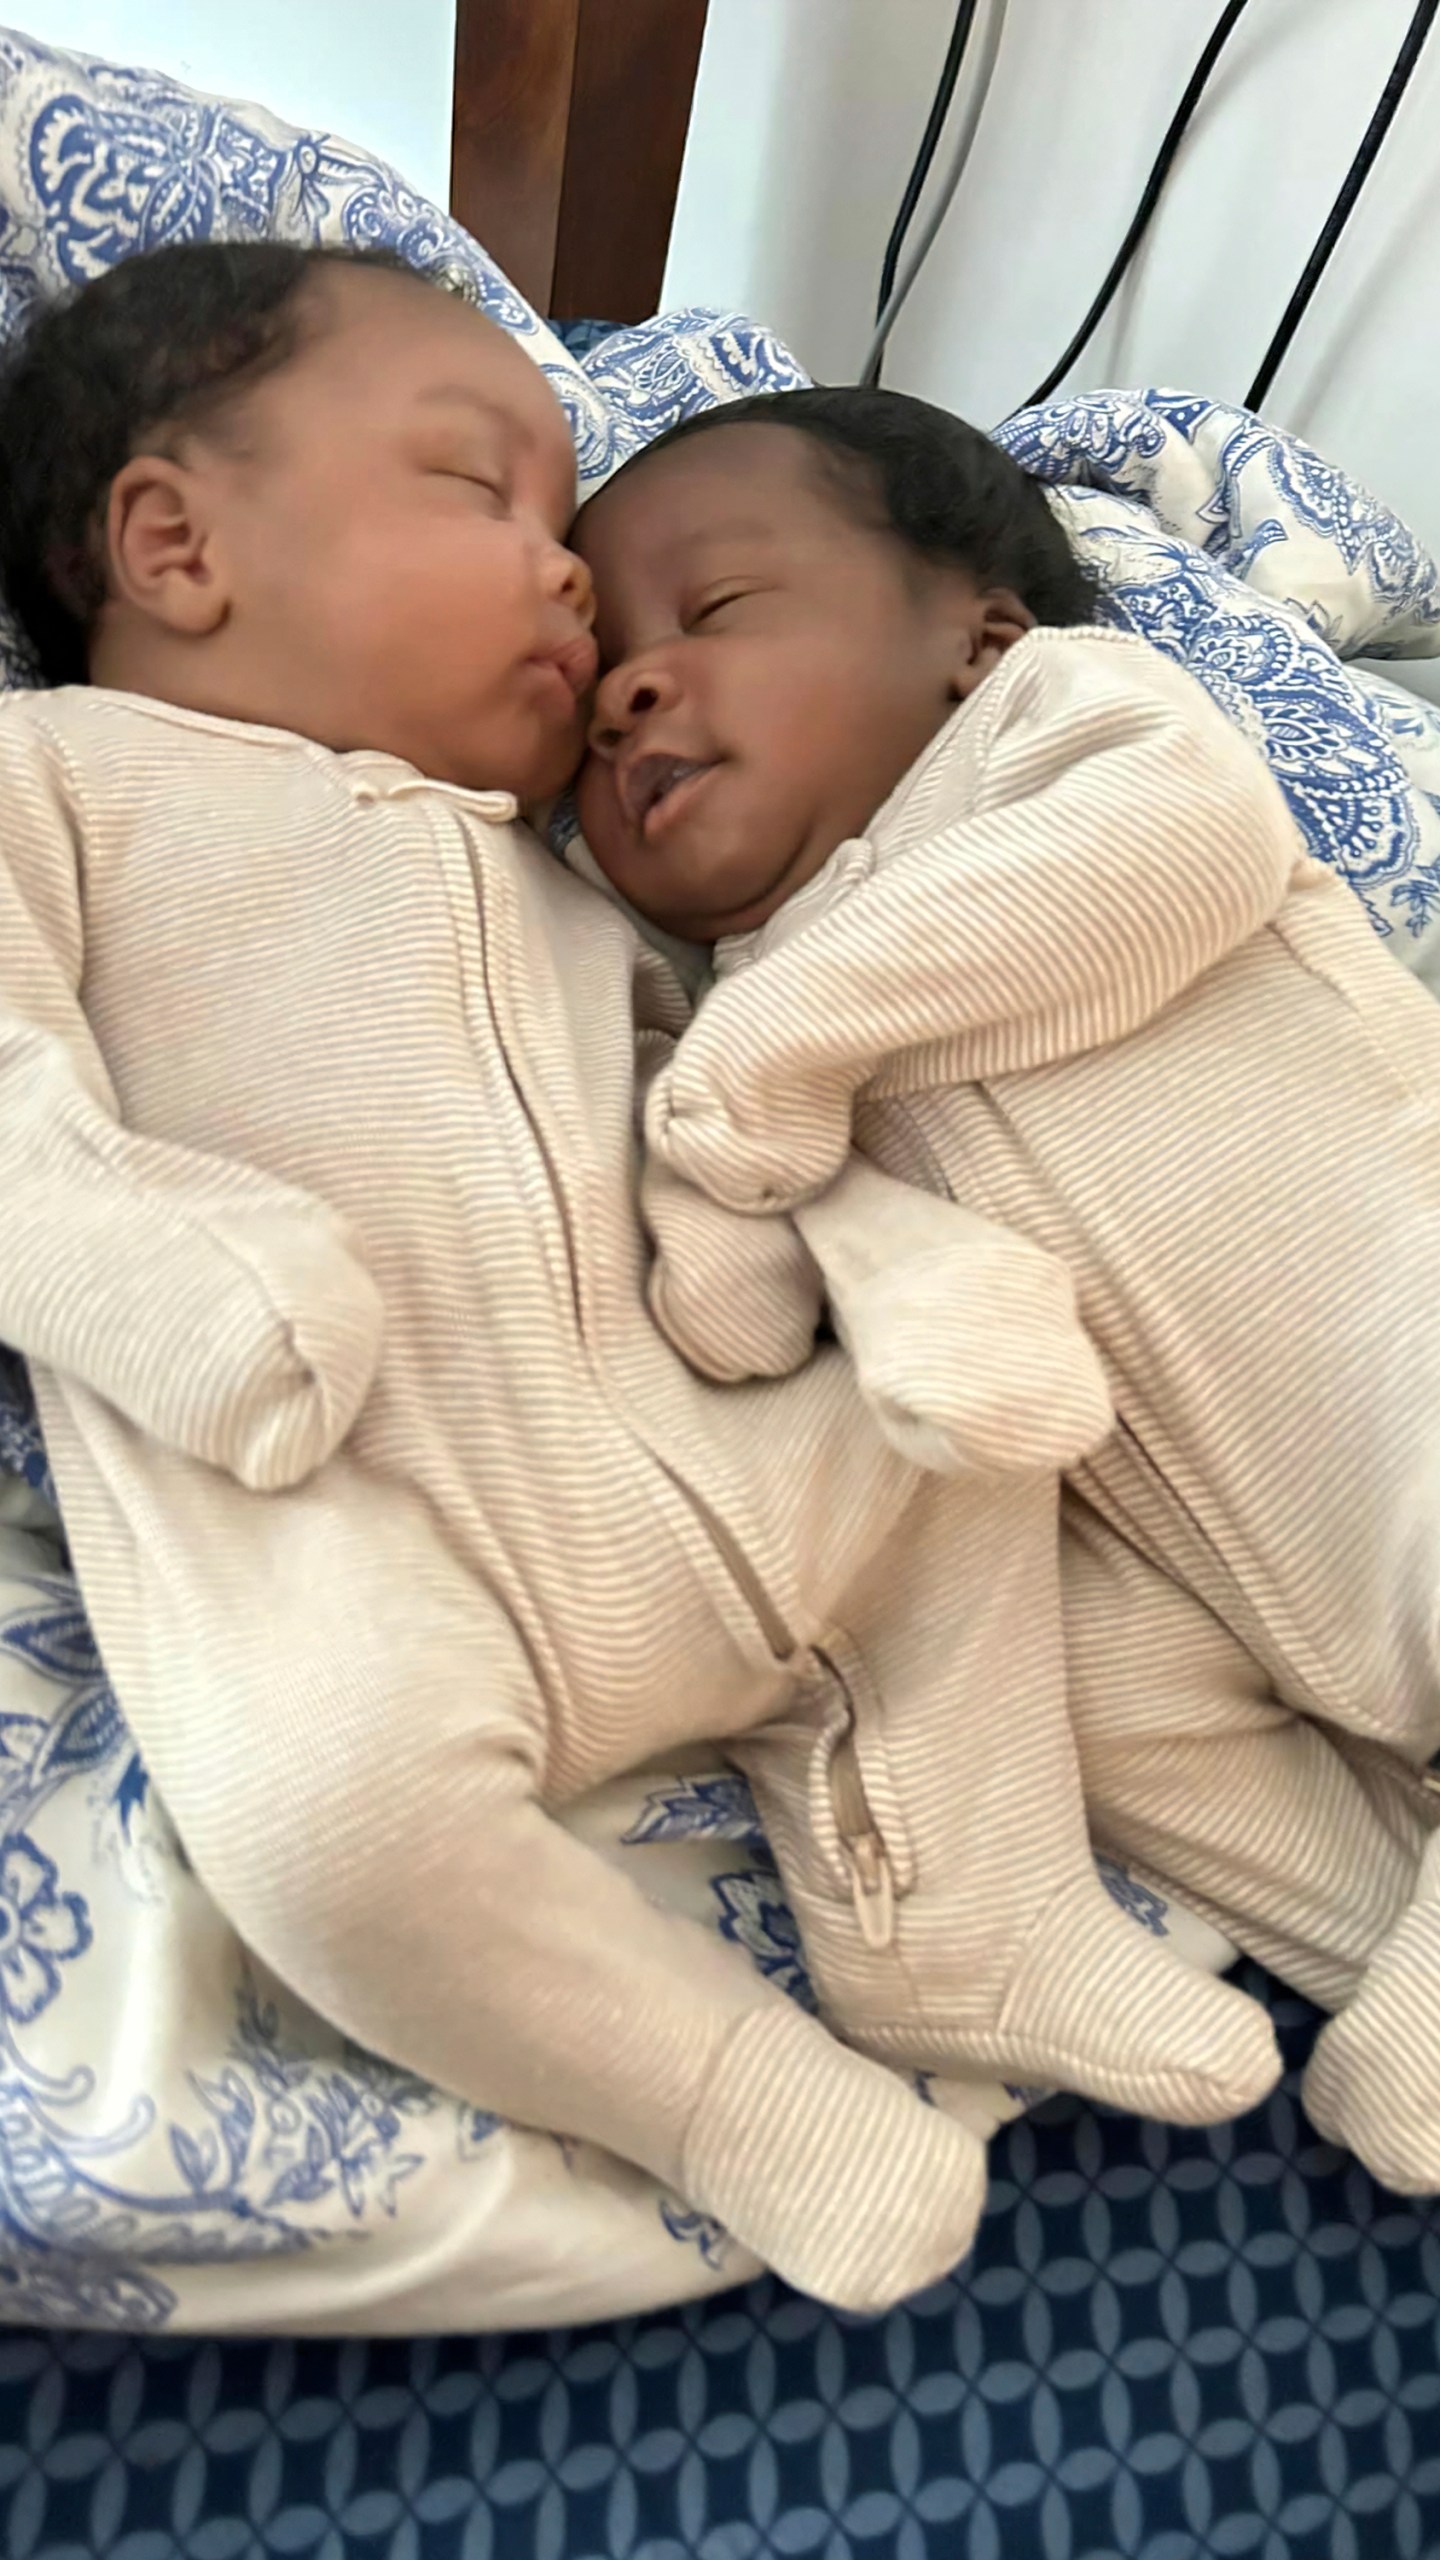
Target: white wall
[[377, 71], [807, 117]]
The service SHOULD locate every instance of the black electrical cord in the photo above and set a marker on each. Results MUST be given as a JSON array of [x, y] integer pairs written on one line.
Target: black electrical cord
[[1140, 221], [1344, 205], [944, 191], [929, 145]]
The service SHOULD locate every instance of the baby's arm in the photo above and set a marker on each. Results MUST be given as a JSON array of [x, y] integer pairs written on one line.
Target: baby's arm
[[964, 1337], [736, 1297], [220, 1310], [1103, 839]]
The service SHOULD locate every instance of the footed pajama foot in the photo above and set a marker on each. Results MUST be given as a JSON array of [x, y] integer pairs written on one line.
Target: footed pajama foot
[[965, 1339], [829, 2168], [1097, 2005], [1373, 2084]]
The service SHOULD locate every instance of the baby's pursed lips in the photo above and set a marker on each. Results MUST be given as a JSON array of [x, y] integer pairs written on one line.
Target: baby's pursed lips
[[645, 783], [577, 660]]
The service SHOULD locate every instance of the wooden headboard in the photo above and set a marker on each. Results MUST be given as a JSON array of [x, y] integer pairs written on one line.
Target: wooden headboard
[[570, 124]]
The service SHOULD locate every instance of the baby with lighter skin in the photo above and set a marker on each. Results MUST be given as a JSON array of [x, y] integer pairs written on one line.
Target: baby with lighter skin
[[399, 1523], [1000, 897], [244, 555]]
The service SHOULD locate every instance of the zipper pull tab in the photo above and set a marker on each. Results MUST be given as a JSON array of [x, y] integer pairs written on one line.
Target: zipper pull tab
[[872, 1888]]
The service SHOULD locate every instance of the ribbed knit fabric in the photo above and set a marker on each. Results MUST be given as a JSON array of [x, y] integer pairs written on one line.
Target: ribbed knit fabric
[[965, 1339], [547, 1550], [1371, 2084], [1083, 985], [758, 2124], [1298, 1840], [219, 1308]]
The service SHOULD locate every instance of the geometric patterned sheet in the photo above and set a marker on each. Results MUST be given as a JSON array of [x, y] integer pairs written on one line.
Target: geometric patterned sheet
[[1168, 2344]]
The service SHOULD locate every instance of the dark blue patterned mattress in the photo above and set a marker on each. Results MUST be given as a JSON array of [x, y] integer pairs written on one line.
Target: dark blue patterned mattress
[[1168, 2344]]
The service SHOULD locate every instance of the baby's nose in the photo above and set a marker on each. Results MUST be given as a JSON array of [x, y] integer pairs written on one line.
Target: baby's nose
[[568, 579], [627, 694]]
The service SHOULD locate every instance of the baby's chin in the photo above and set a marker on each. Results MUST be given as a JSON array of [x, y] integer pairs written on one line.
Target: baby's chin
[[701, 889], [714, 920], [742, 905], [535, 763]]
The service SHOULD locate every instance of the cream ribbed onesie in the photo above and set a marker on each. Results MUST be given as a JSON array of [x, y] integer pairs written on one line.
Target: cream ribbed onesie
[[1035, 986], [318, 1100]]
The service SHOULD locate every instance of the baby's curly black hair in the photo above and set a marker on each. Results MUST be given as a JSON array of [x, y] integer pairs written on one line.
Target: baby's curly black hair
[[941, 486], [158, 344]]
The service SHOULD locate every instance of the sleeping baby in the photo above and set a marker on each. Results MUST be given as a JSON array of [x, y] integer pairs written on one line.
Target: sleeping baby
[[1000, 896], [400, 1524]]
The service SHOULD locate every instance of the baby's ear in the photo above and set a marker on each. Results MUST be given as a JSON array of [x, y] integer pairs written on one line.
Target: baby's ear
[[991, 621], [1004, 619], [161, 554]]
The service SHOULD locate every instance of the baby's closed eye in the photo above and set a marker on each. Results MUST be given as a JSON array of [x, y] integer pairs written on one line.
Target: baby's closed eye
[[707, 610]]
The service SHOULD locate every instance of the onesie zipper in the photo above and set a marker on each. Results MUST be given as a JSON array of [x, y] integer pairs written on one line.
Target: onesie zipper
[[862, 1846], [872, 1877], [784, 1650]]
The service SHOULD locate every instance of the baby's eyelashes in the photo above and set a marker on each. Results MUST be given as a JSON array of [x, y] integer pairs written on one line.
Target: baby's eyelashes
[[713, 605]]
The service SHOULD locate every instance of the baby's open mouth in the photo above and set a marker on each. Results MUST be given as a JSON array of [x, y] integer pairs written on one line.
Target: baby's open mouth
[[650, 782]]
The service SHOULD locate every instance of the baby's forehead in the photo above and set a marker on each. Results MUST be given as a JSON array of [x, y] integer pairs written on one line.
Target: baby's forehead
[[426, 343], [503, 376], [727, 483]]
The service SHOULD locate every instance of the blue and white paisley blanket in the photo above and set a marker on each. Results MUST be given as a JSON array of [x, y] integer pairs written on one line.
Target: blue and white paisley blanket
[[181, 2146]]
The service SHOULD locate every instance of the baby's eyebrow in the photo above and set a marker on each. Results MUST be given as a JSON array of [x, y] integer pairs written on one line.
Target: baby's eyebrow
[[463, 395], [724, 529]]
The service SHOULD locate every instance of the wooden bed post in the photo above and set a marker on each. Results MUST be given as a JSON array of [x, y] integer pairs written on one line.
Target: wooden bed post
[[569, 131]]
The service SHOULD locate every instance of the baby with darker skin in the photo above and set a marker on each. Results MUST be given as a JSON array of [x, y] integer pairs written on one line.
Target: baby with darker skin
[[1007, 901], [778, 655]]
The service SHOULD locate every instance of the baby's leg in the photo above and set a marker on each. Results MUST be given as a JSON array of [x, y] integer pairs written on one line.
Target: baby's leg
[[352, 1738], [1374, 2077], [1302, 1851], [926, 1814]]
